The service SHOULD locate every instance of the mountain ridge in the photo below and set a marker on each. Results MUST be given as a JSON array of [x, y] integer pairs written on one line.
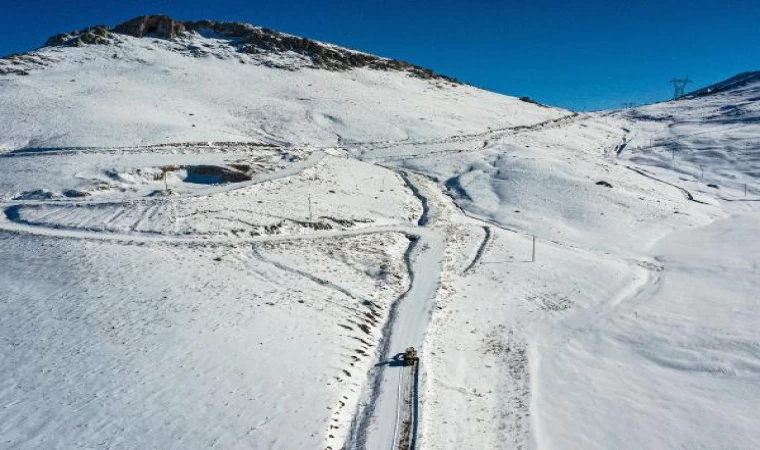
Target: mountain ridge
[[244, 38], [735, 82]]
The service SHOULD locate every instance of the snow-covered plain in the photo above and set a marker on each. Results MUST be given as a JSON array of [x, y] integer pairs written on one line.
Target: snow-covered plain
[[319, 222]]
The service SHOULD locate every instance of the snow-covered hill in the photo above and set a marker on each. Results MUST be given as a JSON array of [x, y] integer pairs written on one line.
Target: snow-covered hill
[[215, 235], [707, 137], [207, 85]]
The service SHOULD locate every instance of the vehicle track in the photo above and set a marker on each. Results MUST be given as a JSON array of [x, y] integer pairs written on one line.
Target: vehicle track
[[487, 239], [498, 132], [492, 135], [228, 146], [685, 192]]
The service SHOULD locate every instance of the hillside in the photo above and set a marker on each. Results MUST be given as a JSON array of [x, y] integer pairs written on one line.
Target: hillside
[[215, 235], [707, 137], [207, 85]]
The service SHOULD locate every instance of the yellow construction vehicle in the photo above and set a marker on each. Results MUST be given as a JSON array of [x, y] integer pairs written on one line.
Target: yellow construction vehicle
[[410, 356]]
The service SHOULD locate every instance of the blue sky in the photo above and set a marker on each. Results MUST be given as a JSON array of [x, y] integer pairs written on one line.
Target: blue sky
[[581, 55]]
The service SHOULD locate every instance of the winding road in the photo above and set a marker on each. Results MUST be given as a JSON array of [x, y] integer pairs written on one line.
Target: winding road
[[379, 423], [384, 419]]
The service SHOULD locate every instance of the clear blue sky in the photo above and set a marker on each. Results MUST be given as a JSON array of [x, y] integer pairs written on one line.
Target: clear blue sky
[[577, 54]]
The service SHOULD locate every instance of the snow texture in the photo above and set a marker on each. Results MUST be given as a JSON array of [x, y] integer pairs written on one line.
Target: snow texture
[[203, 249]]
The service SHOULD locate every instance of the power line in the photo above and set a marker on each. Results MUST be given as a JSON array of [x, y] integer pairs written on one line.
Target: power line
[[679, 85]]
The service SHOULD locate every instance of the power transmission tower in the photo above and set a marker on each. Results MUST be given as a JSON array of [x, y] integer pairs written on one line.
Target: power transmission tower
[[679, 84], [627, 105]]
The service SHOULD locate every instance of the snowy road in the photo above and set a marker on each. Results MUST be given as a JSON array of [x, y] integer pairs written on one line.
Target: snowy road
[[383, 423], [378, 428], [386, 421]]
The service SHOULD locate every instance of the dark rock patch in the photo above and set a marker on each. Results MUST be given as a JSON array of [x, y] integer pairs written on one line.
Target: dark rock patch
[[163, 27], [246, 38]]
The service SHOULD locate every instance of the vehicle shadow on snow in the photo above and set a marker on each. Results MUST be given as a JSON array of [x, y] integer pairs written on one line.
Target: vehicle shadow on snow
[[396, 361]]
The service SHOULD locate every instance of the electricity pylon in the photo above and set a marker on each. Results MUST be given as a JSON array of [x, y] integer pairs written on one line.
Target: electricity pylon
[[679, 84]]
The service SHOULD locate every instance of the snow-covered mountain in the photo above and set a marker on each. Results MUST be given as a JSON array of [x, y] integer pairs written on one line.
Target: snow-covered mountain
[[230, 81], [215, 235]]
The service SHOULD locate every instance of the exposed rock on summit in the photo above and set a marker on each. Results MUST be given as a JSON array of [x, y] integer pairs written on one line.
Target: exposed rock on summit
[[159, 26], [243, 38], [97, 35]]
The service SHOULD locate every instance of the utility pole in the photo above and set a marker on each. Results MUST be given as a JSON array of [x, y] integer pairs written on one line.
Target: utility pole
[[679, 86], [627, 105], [533, 256], [310, 216], [166, 183]]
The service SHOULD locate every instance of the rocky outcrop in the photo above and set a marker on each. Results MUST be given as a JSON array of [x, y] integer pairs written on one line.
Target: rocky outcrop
[[21, 63], [93, 35], [248, 39], [231, 29], [530, 100], [157, 26], [256, 40]]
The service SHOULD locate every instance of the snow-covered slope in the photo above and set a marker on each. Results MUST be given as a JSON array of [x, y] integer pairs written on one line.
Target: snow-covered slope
[[219, 236], [201, 87], [632, 328], [707, 137]]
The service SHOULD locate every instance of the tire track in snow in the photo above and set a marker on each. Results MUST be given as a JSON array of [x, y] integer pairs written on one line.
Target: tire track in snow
[[487, 239], [685, 192], [425, 216], [315, 279], [202, 146], [498, 132], [480, 145]]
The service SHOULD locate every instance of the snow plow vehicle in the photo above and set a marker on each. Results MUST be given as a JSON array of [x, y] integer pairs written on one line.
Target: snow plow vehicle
[[410, 356]]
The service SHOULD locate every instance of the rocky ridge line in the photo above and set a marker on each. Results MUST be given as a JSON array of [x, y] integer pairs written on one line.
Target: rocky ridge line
[[245, 38]]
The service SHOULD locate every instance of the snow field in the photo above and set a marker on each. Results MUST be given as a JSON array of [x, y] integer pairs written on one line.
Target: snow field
[[377, 211], [329, 196], [145, 350], [676, 362], [480, 381]]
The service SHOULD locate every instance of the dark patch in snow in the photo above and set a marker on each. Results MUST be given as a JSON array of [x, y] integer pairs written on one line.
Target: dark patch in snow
[[207, 174], [454, 184]]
